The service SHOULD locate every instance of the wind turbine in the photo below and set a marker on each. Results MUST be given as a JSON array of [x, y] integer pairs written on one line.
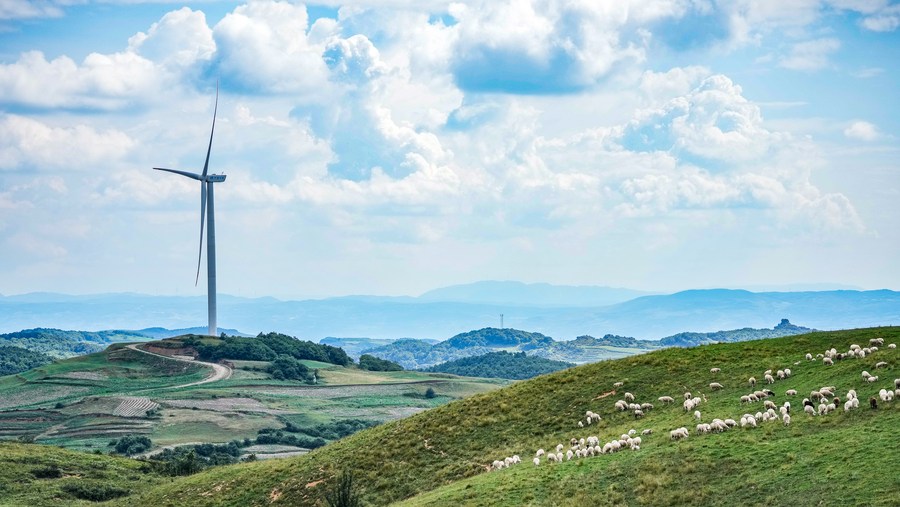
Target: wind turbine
[[207, 213]]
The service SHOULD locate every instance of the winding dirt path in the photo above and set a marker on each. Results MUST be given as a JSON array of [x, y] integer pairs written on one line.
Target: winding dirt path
[[220, 371]]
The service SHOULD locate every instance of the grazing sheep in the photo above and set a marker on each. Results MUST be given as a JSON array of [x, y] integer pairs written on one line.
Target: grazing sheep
[[897, 383], [715, 370], [876, 341], [873, 403], [697, 415], [580, 424], [787, 419], [622, 405], [752, 381], [809, 409], [827, 361], [569, 455], [769, 404], [687, 395], [678, 433], [647, 431], [791, 392], [787, 405], [881, 364], [823, 409], [892, 345], [539, 453], [715, 386], [629, 397], [872, 379], [780, 374], [619, 384], [767, 372], [809, 357], [848, 405], [666, 399], [745, 399], [851, 394], [559, 447], [865, 374], [536, 461], [638, 414], [646, 406], [731, 423]]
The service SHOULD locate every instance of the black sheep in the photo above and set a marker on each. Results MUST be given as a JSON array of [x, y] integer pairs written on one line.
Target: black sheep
[[873, 403]]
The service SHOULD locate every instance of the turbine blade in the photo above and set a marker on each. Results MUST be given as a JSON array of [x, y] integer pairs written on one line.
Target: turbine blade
[[183, 173], [212, 131], [202, 223]]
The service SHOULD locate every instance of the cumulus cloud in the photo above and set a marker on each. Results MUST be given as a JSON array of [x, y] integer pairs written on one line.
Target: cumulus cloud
[[178, 40], [23, 9], [884, 20], [810, 55], [263, 47], [862, 131], [31, 144]]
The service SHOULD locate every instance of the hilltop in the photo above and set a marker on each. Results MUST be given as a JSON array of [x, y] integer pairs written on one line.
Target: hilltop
[[442, 456], [583, 349]]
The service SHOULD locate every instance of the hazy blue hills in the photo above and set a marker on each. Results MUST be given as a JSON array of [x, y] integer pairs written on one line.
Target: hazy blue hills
[[645, 317], [531, 294], [412, 354]]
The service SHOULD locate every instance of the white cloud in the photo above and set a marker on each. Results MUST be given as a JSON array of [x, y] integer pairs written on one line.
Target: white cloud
[[862, 131], [180, 39], [810, 55], [885, 20], [23, 9], [28, 143], [263, 47]]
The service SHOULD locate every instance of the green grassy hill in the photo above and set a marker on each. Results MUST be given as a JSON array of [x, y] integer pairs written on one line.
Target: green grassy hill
[[443, 455]]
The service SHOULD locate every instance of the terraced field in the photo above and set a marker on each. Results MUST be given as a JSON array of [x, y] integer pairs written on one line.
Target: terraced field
[[84, 402]]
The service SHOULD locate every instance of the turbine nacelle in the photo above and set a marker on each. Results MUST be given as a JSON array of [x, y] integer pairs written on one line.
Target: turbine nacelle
[[215, 178]]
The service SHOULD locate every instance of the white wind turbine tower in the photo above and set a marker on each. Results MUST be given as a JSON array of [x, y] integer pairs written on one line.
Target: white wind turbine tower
[[207, 213]]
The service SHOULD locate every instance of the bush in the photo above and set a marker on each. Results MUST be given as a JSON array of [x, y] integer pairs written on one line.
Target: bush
[[343, 494], [429, 393], [94, 491], [132, 444], [47, 472]]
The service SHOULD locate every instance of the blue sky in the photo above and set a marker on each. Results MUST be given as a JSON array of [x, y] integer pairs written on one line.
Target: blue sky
[[396, 146]]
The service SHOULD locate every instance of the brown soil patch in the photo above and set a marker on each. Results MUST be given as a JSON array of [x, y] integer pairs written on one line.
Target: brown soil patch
[[315, 483]]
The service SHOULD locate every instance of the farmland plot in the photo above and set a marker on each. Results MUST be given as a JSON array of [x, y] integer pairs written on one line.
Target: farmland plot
[[135, 407]]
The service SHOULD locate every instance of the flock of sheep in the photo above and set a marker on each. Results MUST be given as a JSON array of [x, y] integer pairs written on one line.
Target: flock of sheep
[[825, 396]]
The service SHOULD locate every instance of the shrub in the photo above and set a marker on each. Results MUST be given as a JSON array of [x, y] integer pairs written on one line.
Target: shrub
[[47, 472], [429, 393], [94, 491], [132, 444], [342, 494]]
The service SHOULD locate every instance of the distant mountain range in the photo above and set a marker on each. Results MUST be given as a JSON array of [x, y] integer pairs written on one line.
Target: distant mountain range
[[556, 311], [418, 354]]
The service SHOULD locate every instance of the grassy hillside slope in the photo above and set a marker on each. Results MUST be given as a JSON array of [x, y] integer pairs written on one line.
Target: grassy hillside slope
[[443, 454]]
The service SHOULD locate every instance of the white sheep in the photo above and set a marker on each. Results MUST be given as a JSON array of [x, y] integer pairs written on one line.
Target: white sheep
[[539, 453], [666, 399], [537, 461], [580, 424], [809, 357], [787, 372], [787, 419], [647, 431], [569, 455], [769, 378], [731, 423], [780, 374], [745, 399], [638, 413], [618, 384], [559, 447], [871, 379], [715, 386], [697, 414], [897, 383], [769, 404], [715, 370], [881, 364], [559, 457], [629, 397], [791, 392], [687, 395], [827, 361], [851, 394], [892, 345], [752, 381], [809, 409]]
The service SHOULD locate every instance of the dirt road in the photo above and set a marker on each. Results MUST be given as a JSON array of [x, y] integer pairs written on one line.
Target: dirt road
[[220, 371]]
